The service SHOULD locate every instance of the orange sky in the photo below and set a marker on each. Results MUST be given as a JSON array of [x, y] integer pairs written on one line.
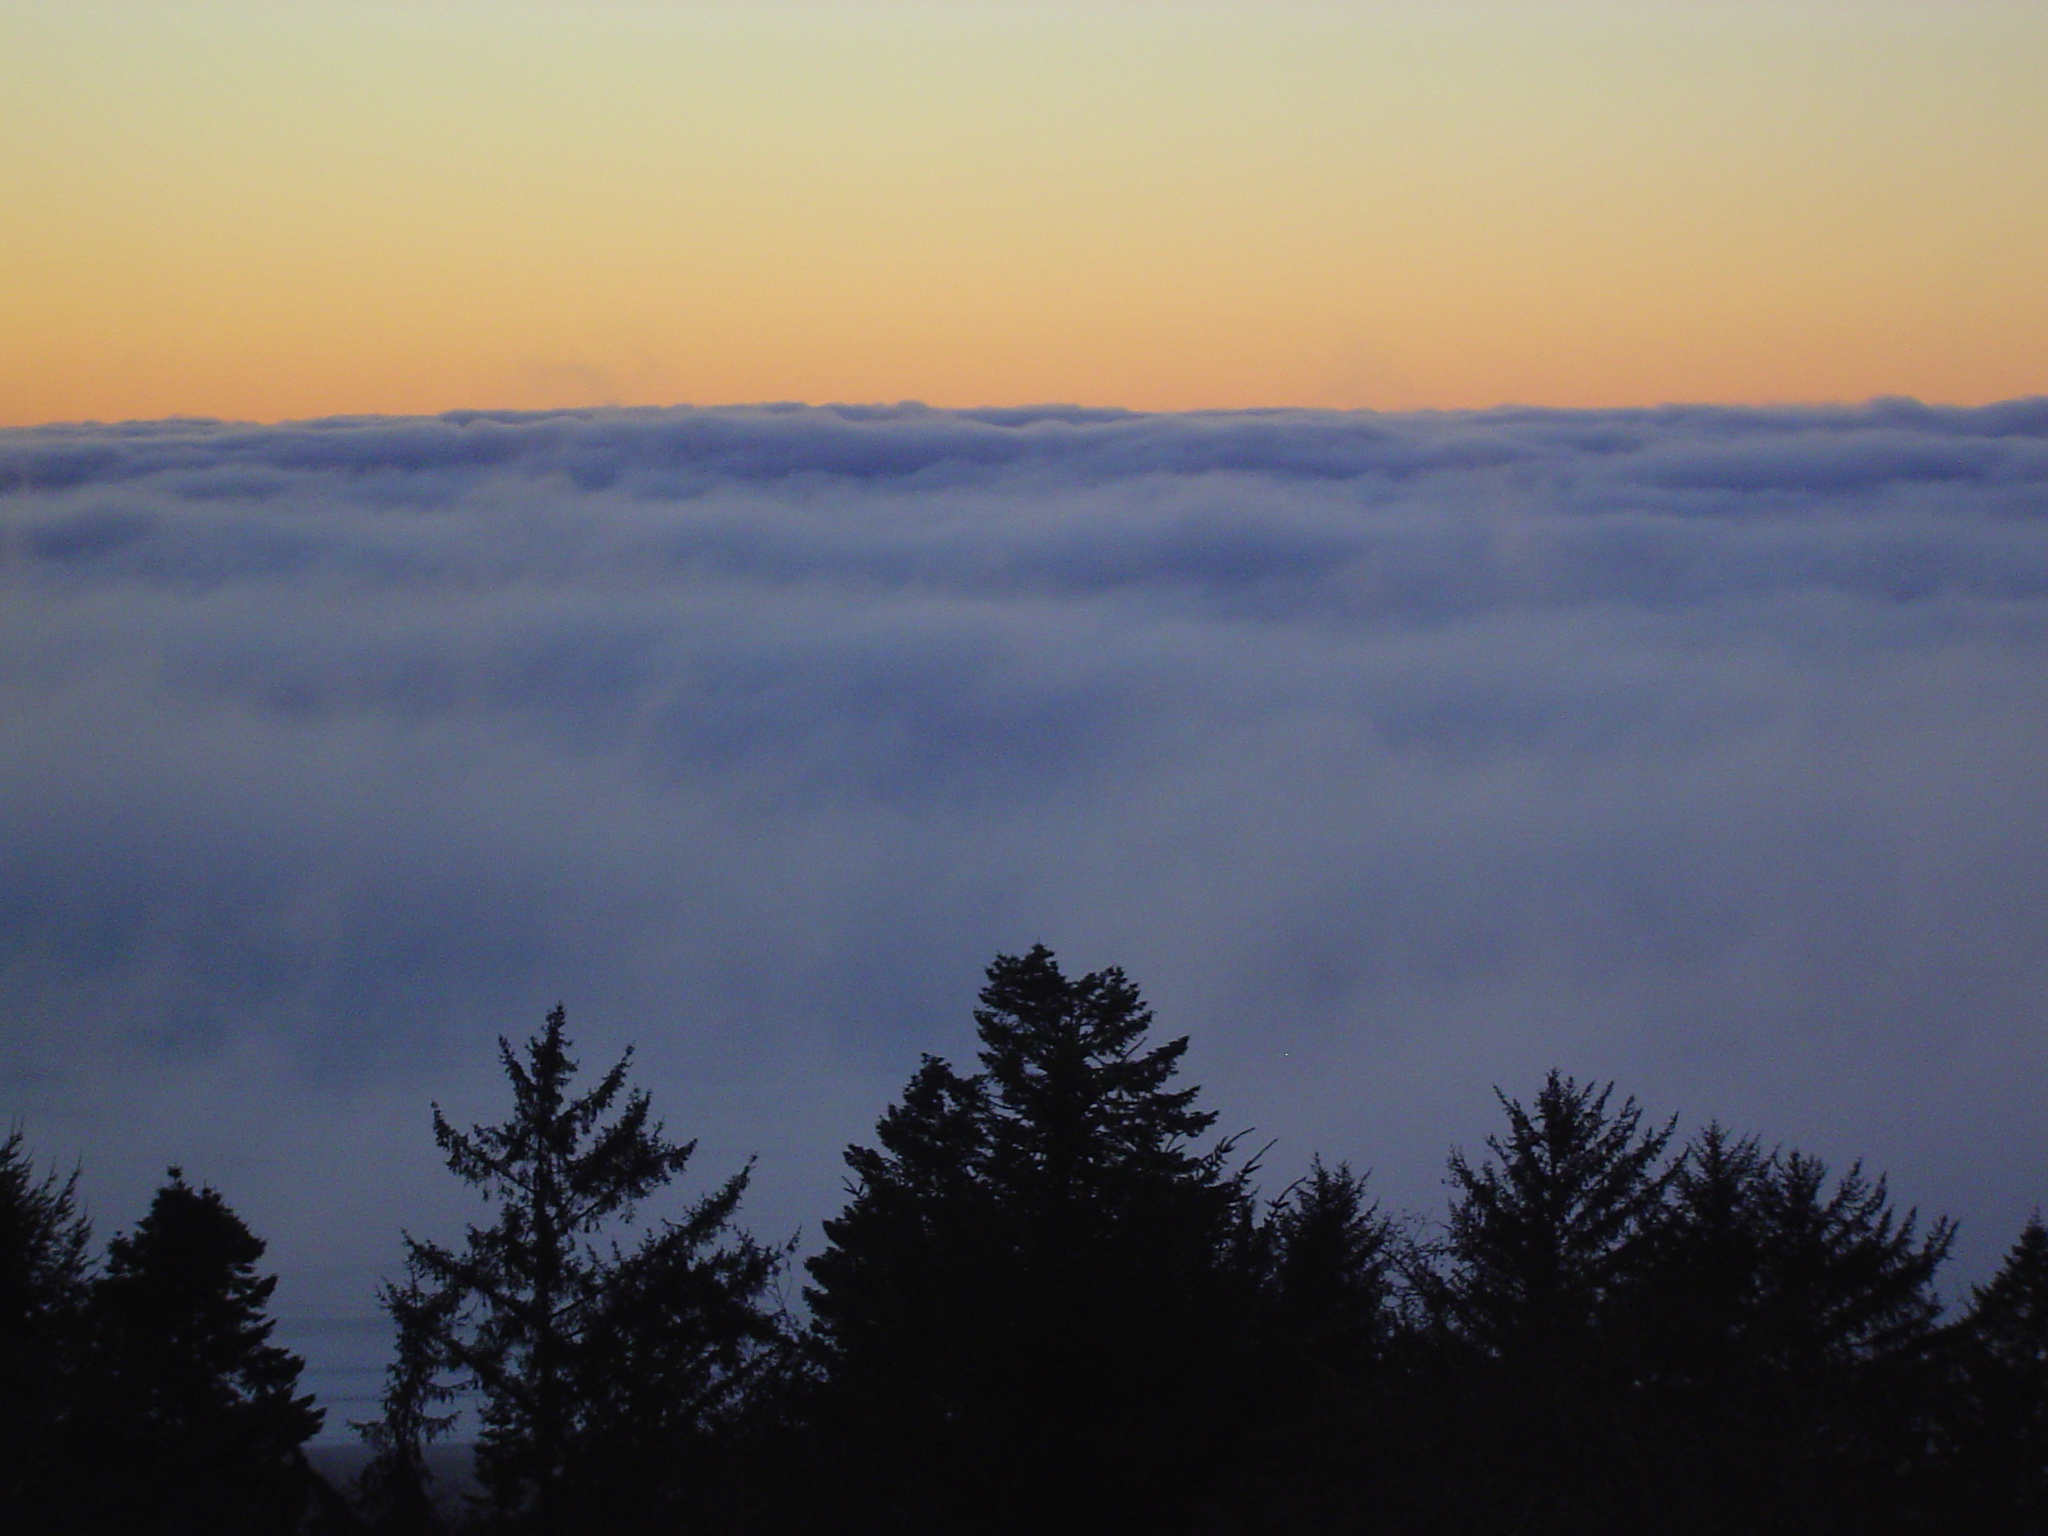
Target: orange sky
[[280, 209]]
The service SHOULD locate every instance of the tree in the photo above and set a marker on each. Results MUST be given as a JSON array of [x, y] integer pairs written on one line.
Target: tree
[[897, 1300], [1701, 1437], [1544, 1238], [187, 1397], [1332, 1265], [394, 1491], [1784, 1346], [1543, 1233], [2002, 1391], [1328, 1327], [602, 1373], [44, 1270], [1033, 1277]]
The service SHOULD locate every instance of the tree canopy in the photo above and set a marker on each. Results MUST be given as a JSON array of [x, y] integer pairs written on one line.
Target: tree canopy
[[184, 1389], [601, 1371], [45, 1267], [1034, 1269], [1054, 1300]]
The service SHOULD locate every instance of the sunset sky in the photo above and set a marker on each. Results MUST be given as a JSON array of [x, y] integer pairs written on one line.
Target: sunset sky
[[272, 211]]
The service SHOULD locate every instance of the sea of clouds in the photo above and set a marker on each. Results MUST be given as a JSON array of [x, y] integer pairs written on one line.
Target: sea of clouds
[[1394, 757]]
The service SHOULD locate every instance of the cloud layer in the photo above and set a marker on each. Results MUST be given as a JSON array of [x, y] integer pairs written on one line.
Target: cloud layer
[[1393, 756]]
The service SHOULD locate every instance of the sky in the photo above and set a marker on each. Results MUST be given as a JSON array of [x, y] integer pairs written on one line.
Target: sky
[[266, 210], [1538, 558]]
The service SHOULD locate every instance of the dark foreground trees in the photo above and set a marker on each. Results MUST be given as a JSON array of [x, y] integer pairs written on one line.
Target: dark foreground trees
[[606, 1376], [45, 1264], [1046, 1307], [1547, 1237], [2000, 1413], [1725, 1339], [1789, 1329], [1332, 1406], [143, 1396], [182, 1390], [1053, 1301], [1027, 1315]]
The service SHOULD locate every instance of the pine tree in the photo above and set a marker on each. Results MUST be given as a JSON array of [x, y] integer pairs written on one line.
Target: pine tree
[[1784, 1346], [394, 1491], [186, 1396], [1331, 1269], [1330, 1403], [896, 1296], [1544, 1238], [1846, 1277], [601, 1372], [2002, 1388], [1085, 1128], [44, 1272], [1073, 1253], [1848, 1328], [1542, 1234]]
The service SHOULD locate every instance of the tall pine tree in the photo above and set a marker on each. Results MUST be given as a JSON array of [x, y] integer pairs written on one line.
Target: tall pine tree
[[2001, 1408], [1786, 1358], [45, 1265], [187, 1396], [1034, 1276], [1332, 1408], [1544, 1238], [604, 1375], [394, 1492]]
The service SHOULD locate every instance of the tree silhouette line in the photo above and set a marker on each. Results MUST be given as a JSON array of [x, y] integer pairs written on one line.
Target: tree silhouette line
[[1049, 1305]]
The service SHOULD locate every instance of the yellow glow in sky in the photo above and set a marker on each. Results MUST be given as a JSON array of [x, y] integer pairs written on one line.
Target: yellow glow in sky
[[283, 209]]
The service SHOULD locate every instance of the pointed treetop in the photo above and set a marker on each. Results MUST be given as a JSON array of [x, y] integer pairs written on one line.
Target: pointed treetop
[[1066, 1061], [555, 1145]]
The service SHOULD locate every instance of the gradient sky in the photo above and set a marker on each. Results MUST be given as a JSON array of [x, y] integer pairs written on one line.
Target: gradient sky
[[281, 210]]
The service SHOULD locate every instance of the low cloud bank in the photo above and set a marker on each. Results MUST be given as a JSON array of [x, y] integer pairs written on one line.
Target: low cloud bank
[[1394, 756]]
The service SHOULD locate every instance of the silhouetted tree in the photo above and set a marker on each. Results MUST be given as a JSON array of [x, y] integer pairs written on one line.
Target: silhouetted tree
[[1328, 1325], [44, 1269], [1125, 1313], [1034, 1279], [1331, 1270], [2001, 1393], [1785, 1338], [192, 1410], [686, 1329], [1543, 1233], [394, 1491], [1543, 1238], [1847, 1328], [898, 1299], [1694, 1306], [602, 1373]]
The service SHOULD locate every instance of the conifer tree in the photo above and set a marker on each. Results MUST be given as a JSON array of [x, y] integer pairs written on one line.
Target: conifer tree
[[394, 1491], [1074, 1253], [186, 1395], [1330, 1403], [601, 1372], [44, 1269], [1544, 1238], [1543, 1233], [1783, 1346], [2002, 1388], [1332, 1261], [894, 1296], [1844, 1303]]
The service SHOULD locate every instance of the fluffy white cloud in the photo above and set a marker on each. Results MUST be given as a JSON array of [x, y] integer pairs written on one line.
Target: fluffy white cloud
[[1394, 756]]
